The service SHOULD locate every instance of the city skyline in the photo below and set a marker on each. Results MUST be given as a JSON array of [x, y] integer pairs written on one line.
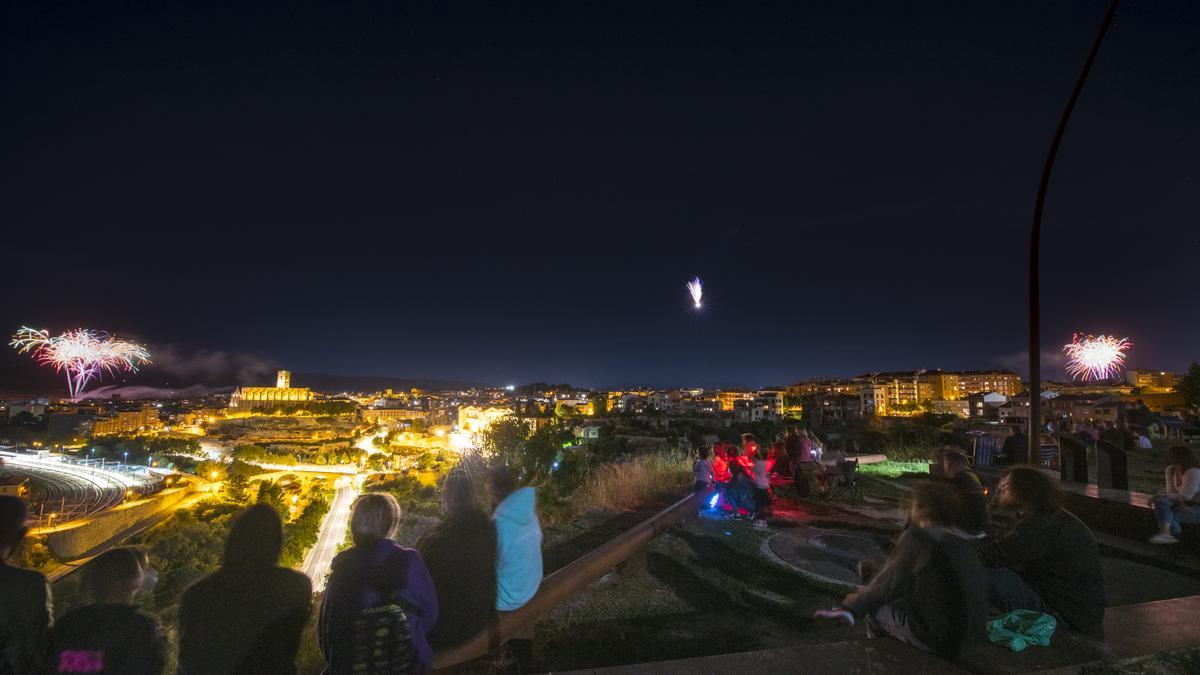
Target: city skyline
[[524, 196]]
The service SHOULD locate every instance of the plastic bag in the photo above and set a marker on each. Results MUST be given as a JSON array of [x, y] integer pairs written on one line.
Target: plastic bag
[[1020, 628]]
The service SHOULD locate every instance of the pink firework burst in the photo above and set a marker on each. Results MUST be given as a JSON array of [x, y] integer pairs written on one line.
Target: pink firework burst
[[1095, 358], [82, 354]]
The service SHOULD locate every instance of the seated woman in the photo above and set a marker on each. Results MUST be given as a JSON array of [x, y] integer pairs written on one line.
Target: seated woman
[[460, 553], [380, 604], [931, 592], [1179, 502]]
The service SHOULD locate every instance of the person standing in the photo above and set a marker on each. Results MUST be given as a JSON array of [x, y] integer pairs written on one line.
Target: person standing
[[26, 612], [702, 471], [1180, 501], [761, 475], [111, 635], [518, 541], [247, 616], [460, 554], [1047, 560]]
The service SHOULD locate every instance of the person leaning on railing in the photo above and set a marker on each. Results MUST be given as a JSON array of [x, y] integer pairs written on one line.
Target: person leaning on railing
[[460, 553], [518, 540], [1180, 501]]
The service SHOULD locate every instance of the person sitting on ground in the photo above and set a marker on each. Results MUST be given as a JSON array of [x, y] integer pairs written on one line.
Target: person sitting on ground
[[518, 540], [972, 499], [377, 587], [931, 591], [460, 554], [247, 616], [761, 477], [1047, 560], [1180, 501], [111, 635], [702, 471], [26, 613]]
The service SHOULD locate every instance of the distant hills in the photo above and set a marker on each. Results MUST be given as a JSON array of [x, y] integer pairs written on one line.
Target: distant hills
[[27, 380], [334, 383]]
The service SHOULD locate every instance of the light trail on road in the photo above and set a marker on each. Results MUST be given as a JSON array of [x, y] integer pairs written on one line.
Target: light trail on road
[[332, 533]]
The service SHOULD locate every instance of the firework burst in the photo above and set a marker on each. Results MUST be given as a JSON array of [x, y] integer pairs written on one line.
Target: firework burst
[[1095, 358], [84, 355], [696, 290]]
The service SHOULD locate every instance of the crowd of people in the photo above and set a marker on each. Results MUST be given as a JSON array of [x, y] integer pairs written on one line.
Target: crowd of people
[[950, 569], [386, 609], [389, 608], [741, 474]]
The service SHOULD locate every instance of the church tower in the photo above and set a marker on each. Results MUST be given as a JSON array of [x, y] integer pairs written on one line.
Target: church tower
[[283, 380]]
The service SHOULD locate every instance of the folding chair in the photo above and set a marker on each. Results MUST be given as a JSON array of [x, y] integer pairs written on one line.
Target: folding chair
[[847, 486]]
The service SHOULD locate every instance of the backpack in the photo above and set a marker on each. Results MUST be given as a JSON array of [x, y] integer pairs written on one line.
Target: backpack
[[382, 639]]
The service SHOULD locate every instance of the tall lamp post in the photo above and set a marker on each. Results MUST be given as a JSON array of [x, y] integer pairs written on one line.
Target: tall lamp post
[[1035, 236]]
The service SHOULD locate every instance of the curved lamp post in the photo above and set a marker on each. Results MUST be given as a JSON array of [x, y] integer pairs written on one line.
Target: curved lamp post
[[1035, 236]]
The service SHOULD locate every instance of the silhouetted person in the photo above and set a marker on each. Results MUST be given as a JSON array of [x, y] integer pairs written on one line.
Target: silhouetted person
[[380, 604], [460, 553], [247, 616], [518, 540], [1047, 561], [1015, 449], [973, 516], [932, 591], [25, 606], [111, 635]]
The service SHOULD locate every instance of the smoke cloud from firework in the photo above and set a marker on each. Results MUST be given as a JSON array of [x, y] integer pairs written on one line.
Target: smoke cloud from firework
[[1095, 358], [84, 355]]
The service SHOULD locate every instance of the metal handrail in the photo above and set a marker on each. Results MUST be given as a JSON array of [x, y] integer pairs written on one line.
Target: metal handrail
[[565, 583]]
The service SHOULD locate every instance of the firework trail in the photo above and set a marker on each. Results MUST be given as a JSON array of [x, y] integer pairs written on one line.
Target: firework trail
[[84, 355], [1095, 358], [696, 291]]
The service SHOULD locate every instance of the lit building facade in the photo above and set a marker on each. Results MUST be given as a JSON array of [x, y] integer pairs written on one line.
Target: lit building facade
[[474, 419], [248, 398]]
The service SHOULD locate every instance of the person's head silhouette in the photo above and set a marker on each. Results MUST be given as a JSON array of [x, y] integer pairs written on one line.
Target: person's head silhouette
[[255, 539]]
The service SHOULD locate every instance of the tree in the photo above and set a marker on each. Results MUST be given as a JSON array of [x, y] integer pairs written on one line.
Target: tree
[[208, 468], [271, 494], [504, 441], [1189, 386], [236, 489]]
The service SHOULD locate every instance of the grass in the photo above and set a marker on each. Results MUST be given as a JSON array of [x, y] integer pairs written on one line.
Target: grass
[[894, 468], [626, 485]]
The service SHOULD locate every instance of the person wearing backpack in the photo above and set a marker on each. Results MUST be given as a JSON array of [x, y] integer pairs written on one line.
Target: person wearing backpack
[[380, 604]]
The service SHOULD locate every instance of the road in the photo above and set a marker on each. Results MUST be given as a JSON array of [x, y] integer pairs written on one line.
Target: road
[[332, 534]]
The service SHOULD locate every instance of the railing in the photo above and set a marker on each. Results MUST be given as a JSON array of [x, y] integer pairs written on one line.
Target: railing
[[565, 583]]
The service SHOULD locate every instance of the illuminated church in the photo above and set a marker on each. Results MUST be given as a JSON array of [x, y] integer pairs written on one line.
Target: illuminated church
[[248, 398]]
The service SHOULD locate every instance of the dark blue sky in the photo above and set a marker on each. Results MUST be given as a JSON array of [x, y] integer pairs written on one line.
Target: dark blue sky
[[516, 192]]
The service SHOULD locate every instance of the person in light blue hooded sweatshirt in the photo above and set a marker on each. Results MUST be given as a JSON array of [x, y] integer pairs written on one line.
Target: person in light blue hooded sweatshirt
[[518, 541]]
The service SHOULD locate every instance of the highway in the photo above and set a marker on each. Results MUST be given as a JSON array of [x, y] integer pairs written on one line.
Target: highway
[[332, 533]]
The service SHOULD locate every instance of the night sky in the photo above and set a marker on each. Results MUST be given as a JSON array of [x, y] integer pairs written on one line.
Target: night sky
[[514, 192]]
